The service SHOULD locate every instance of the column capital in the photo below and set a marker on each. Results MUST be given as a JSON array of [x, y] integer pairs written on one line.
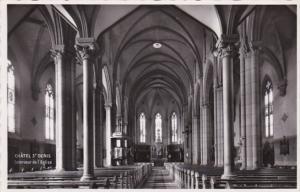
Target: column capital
[[107, 105], [227, 45], [219, 87], [57, 51], [244, 47], [206, 104], [250, 48], [85, 48]]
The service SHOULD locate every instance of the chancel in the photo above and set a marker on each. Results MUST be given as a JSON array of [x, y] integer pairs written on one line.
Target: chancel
[[160, 96]]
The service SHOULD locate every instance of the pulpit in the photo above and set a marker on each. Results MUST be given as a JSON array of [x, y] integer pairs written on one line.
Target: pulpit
[[121, 147]]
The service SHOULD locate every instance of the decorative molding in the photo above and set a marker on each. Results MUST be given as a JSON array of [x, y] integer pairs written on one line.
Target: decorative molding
[[107, 105], [227, 45], [57, 52], [245, 47], [85, 48]]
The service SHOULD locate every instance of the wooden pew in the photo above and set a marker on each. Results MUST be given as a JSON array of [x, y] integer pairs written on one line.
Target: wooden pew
[[105, 183], [209, 177], [104, 178]]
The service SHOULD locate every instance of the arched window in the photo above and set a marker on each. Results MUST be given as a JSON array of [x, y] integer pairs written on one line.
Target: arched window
[[142, 128], [268, 105], [174, 127], [49, 113], [158, 130], [11, 98]]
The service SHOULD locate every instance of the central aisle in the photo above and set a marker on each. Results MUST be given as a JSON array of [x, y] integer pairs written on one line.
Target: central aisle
[[159, 179]]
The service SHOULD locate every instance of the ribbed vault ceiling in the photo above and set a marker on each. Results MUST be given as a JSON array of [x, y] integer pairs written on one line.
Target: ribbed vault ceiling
[[139, 67]]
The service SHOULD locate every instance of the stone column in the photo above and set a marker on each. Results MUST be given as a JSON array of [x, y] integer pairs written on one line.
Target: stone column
[[85, 48], [243, 110], [255, 100], [98, 156], [65, 136], [227, 50], [221, 128], [220, 111], [201, 137], [248, 111], [70, 101], [198, 121], [57, 54], [206, 133], [170, 131], [196, 140], [108, 135], [215, 128], [220, 138]]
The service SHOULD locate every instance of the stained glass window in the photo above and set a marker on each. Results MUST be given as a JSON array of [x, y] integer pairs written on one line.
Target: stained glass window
[[11, 98], [158, 129], [49, 112], [268, 105], [174, 127], [142, 128]]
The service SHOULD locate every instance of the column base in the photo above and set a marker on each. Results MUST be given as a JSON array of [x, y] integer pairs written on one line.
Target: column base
[[59, 170], [227, 176], [251, 168], [64, 169], [87, 177], [243, 167], [255, 167]]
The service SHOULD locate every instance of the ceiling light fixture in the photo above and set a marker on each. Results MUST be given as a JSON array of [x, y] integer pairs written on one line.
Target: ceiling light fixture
[[157, 45]]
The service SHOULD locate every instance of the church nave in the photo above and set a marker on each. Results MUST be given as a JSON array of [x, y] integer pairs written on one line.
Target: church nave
[[151, 96]]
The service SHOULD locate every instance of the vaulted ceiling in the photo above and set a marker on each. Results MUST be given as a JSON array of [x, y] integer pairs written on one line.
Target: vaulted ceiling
[[183, 35], [156, 48]]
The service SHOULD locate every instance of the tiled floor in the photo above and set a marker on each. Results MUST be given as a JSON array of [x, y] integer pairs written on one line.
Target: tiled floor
[[159, 179]]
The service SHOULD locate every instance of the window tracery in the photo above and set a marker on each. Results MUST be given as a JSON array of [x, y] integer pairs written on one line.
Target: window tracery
[[11, 98], [158, 128], [174, 127], [142, 128], [268, 106], [49, 112]]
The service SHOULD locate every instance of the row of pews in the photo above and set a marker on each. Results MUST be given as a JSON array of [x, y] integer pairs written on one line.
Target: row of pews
[[106, 178], [204, 177]]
